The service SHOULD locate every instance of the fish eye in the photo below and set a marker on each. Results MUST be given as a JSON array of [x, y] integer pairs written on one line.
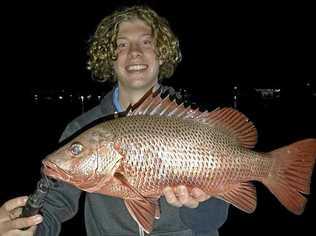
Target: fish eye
[[76, 148]]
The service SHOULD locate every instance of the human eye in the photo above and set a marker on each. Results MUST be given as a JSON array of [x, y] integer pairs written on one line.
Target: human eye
[[147, 42], [121, 44]]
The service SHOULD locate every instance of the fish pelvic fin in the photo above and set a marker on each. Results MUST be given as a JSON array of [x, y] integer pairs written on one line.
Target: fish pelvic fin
[[230, 121], [242, 195], [290, 175], [143, 210]]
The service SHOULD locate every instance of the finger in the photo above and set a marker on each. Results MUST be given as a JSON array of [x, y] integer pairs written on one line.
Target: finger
[[14, 203], [32, 229], [25, 222], [199, 195], [185, 198], [171, 197], [15, 213]]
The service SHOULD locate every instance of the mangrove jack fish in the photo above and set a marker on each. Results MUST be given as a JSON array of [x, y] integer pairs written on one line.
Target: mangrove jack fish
[[159, 143]]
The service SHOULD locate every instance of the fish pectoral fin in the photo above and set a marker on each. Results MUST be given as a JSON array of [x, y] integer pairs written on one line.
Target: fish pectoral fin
[[143, 210], [242, 196]]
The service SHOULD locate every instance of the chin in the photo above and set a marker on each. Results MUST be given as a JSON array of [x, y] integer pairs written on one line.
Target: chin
[[139, 83]]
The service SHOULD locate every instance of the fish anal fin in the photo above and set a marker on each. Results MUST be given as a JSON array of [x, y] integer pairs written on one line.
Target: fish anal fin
[[143, 210], [242, 196]]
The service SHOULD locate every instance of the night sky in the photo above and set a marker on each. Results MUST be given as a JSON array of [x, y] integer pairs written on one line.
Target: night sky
[[259, 46]]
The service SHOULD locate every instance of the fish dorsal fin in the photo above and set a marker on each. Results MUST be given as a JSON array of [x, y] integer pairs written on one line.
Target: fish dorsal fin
[[243, 196], [143, 210], [235, 124], [153, 104], [232, 122]]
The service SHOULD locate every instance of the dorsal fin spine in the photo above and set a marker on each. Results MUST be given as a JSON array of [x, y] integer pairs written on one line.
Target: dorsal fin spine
[[163, 106], [172, 108], [156, 106], [192, 114], [167, 107], [176, 109], [231, 122], [183, 112]]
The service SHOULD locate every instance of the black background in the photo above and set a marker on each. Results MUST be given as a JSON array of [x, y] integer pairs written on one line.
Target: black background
[[250, 46]]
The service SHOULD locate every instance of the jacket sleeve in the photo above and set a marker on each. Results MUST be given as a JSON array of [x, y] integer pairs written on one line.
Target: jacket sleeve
[[61, 202], [208, 217]]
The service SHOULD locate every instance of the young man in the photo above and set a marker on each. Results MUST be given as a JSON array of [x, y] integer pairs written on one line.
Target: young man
[[135, 48]]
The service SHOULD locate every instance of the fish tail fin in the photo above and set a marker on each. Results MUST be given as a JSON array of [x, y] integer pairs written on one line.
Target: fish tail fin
[[290, 176]]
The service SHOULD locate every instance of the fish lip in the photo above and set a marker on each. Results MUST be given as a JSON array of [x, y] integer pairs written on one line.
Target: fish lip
[[51, 169]]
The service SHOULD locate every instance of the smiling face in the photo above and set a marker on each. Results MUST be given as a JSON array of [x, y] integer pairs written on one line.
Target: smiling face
[[137, 65]]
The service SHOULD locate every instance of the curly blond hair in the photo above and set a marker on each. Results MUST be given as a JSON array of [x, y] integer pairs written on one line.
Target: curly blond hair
[[102, 45]]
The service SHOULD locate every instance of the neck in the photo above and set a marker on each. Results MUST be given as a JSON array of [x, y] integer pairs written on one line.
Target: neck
[[129, 96]]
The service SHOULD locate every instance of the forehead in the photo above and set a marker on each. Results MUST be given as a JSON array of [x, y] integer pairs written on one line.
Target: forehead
[[134, 26]]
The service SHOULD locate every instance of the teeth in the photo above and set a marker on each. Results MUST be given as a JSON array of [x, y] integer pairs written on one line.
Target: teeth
[[136, 67]]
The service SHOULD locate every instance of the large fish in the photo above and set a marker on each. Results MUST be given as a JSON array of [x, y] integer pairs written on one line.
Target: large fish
[[160, 143]]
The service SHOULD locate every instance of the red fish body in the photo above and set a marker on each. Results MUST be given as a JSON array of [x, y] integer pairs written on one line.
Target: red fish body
[[167, 151], [163, 144]]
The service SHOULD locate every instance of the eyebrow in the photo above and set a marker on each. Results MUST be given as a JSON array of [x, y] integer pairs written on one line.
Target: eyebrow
[[143, 35]]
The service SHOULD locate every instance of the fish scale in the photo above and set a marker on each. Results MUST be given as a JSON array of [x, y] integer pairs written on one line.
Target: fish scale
[[160, 143], [183, 154]]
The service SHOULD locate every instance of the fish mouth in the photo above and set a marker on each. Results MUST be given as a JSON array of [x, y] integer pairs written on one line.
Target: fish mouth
[[52, 170]]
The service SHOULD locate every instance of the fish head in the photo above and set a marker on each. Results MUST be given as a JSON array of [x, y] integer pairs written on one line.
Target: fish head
[[86, 161]]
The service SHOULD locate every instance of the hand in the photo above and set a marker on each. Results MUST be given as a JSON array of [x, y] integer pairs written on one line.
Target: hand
[[11, 225], [180, 196]]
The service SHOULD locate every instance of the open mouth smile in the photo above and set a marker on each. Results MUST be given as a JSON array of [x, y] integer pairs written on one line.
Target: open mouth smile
[[136, 67]]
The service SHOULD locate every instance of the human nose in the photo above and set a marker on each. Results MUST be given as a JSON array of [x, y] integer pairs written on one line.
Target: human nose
[[135, 50]]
